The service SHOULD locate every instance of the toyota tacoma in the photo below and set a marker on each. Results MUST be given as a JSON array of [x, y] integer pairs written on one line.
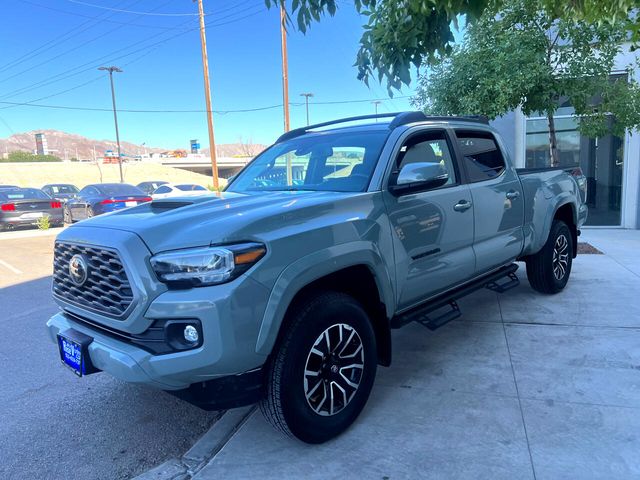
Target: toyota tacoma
[[284, 288]]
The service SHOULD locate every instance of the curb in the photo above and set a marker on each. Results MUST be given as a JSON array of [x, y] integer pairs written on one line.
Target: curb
[[13, 235], [203, 450]]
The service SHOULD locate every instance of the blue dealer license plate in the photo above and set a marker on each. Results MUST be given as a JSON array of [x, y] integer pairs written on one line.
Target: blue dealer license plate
[[71, 354]]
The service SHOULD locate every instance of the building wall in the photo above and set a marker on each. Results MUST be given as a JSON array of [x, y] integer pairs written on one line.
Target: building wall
[[513, 129]]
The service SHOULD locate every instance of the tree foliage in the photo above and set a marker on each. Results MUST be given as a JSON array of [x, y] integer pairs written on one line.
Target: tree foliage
[[521, 56], [20, 156], [399, 34]]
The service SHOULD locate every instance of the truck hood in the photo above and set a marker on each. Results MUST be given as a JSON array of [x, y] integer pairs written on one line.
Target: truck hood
[[183, 222]]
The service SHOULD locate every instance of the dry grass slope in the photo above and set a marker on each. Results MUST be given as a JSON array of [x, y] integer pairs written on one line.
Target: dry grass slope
[[81, 174]]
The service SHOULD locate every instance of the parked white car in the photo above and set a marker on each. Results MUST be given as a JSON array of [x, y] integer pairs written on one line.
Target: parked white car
[[183, 190]]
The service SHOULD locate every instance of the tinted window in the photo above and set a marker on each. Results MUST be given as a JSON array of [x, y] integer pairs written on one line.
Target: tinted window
[[22, 193], [88, 191], [163, 190], [482, 158], [431, 147], [115, 189], [189, 188], [333, 161]]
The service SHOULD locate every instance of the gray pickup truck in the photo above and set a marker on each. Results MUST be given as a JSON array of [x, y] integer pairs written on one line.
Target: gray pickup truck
[[284, 288]]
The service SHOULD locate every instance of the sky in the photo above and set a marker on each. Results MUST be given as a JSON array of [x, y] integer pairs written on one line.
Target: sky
[[50, 51]]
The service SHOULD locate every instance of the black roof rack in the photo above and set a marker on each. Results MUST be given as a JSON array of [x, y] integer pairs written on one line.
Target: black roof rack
[[399, 118]]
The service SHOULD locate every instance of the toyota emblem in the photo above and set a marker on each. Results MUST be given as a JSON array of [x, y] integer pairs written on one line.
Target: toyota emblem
[[78, 269]]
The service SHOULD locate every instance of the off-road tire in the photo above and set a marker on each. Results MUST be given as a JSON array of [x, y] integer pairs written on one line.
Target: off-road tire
[[541, 266], [285, 405]]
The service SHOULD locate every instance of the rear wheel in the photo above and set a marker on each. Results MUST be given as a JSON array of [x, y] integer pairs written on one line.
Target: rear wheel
[[548, 270], [323, 370]]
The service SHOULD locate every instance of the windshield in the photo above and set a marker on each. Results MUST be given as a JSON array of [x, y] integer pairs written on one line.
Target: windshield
[[23, 193], [63, 189], [119, 189], [339, 161]]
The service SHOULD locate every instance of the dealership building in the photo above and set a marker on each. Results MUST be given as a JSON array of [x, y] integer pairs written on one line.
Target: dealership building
[[610, 163]]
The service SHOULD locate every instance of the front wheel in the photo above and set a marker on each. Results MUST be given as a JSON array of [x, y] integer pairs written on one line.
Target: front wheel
[[548, 270], [322, 373]]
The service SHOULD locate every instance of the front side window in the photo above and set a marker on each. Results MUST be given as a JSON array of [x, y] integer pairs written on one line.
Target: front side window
[[332, 161], [431, 147], [481, 155]]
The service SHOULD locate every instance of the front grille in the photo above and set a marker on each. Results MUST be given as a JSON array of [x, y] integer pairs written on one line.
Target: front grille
[[106, 289]]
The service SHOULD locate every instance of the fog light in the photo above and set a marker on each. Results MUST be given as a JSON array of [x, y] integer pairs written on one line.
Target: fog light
[[191, 334]]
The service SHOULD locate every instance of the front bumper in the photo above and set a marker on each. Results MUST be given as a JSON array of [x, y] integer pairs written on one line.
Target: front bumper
[[230, 317]]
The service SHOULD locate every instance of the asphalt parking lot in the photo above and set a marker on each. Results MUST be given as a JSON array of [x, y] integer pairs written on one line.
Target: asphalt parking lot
[[55, 425], [522, 386]]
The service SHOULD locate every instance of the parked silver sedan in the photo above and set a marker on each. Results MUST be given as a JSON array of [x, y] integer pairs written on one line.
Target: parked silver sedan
[[26, 206]]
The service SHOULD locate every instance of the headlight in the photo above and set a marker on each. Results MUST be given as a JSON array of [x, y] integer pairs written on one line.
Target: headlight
[[199, 267]]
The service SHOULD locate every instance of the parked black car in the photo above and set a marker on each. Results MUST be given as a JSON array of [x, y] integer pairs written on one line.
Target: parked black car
[[61, 191], [26, 206], [151, 186]]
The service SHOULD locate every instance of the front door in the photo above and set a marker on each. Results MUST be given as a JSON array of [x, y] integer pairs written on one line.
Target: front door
[[432, 229]]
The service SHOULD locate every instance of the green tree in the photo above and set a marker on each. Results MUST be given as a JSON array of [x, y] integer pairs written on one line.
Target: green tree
[[399, 34], [520, 56]]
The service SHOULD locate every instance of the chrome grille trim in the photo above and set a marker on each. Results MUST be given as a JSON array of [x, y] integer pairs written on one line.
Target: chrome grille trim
[[106, 291]]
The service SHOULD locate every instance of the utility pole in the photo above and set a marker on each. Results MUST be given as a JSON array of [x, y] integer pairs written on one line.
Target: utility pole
[[285, 84], [207, 97], [115, 115], [285, 67], [306, 102]]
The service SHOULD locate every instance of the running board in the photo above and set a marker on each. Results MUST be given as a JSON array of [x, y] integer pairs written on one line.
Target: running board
[[494, 281], [498, 286]]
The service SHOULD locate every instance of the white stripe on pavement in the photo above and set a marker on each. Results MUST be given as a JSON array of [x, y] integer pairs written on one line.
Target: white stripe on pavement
[[10, 267]]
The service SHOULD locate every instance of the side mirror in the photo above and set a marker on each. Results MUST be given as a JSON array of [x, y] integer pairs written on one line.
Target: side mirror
[[416, 177]]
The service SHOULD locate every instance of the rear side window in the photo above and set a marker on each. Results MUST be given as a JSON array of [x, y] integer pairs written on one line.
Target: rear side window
[[482, 158], [163, 190]]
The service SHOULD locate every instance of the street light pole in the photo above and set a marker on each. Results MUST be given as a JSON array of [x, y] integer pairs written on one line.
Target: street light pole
[[115, 115], [376, 103], [306, 102], [207, 97]]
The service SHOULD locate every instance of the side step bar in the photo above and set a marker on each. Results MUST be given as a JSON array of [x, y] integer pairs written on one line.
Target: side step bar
[[423, 314]]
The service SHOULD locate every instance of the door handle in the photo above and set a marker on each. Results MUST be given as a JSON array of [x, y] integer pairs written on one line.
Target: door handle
[[512, 194], [462, 205]]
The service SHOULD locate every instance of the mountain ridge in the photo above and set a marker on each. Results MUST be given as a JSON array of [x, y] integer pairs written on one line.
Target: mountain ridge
[[68, 145]]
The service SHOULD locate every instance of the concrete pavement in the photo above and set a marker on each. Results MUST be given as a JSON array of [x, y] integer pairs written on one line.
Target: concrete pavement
[[522, 386]]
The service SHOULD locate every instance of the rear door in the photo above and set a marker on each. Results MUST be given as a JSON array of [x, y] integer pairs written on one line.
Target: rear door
[[497, 199], [432, 229]]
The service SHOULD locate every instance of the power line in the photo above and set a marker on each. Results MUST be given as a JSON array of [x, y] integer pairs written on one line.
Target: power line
[[142, 25], [152, 13], [74, 32], [219, 112], [107, 58], [77, 47], [133, 12]]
